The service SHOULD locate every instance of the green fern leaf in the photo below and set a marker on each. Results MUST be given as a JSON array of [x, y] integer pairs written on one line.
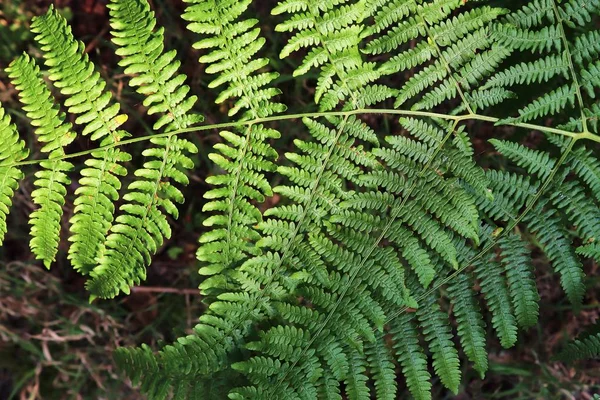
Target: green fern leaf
[[519, 272], [411, 356], [382, 369], [555, 242], [73, 73], [470, 322], [12, 150], [533, 14], [587, 347], [55, 134], [436, 331], [495, 290], [546, 39], [139, 230], [534, 161], [539, 71], [579, 12]]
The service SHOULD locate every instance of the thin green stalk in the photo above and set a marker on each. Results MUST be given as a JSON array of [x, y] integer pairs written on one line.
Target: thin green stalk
[[384, 111]]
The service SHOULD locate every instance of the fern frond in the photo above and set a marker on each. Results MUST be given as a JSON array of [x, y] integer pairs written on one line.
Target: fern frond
[[436, 331], [586, 47], [548, 104], [545, 39], [332, 33], [536, 162], [142, 49], [73, 73], [539, 71], [589, 78], [579, 12], [55, 134], [448, 31], [382, 369], [519, 272], [470, 324], [470, 74], [556, 244], [368, 245], [411, 356], [12, 150], [485, 98], [246, 156], [572, 199], [140, 229], [533, 14], [495, 291], [587, 347]]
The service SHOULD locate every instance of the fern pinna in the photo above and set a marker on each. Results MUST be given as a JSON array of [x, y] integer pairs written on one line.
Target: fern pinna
[[73, 73], [385, 235], [140, 229]]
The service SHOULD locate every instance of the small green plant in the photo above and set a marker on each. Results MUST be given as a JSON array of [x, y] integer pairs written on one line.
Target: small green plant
[[378, 237]]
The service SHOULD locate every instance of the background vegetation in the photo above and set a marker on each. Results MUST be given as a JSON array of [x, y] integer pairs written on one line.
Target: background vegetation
[[54, 345]]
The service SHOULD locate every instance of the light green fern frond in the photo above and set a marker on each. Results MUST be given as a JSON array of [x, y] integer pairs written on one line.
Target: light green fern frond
[[73, 73], [142, 225], [246, 155], [331, 33], [12, 150], [55, 134], [376, 233]]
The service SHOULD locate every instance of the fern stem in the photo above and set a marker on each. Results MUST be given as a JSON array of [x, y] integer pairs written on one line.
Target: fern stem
[[493, 243], [383, 111]]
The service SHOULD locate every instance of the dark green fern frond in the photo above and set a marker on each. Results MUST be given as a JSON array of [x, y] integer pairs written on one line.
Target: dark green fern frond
[[495, 290], [382, 369], [55, 134], [546, 222], [436, 330], [449, 46], [536, 162], [521, 280], [548, 104], [411, 356], [533, 14], [586, 347], [540, 41], [470, 324], [73, 73], [142, 225], [541, 27], [12, 150], [556, 243], [576, 13]]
